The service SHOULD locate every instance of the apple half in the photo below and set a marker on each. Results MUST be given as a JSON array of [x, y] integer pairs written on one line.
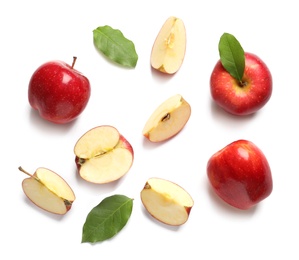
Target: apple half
[[103, 155], [168, 119], [166, 201], [169, 48], [48, 190]]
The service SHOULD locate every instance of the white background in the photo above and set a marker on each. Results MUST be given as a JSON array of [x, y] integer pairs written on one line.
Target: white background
[[33, 32]]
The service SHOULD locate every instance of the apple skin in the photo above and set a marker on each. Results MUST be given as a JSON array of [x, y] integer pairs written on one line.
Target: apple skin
[[248, 97], [59, 92], [240, 174]]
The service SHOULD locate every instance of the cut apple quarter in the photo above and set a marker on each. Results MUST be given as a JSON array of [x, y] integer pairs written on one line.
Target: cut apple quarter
[[168, 119], [103, 155], [169, 48], [48, 190], [166, 201]]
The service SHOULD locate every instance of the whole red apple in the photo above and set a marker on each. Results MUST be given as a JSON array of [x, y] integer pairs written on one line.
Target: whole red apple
[[240, 174], [246, 96], [58, 91]]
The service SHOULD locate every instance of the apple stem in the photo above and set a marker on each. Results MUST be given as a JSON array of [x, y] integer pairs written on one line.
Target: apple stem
[[74, 61], [22, 170], [242, 83]]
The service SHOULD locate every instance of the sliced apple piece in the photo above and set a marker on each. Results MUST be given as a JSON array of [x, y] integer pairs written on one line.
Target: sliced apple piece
[[169, 48], [103, 155], [166, 201], [48, 190], [168, 119]]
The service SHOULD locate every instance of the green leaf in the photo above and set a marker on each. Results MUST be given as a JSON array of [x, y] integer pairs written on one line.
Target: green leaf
[[115, 46], [232, 55], [107, 218]]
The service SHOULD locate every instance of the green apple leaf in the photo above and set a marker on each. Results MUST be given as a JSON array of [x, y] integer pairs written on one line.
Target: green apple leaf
[[232, 56], [112, 43], [107, 219]]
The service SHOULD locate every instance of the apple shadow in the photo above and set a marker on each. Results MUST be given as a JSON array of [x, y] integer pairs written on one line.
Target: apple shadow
[[47, 126], [160, 76], [225, 207], [147, 144], [157, 222], [221, 115]]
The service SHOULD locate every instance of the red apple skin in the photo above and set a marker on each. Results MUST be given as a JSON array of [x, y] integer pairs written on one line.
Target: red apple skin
[[248, 97], [240, 174], [59, 92]]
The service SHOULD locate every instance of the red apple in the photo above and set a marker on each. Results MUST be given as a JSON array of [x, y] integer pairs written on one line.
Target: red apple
[[58, 91], [246, 96], [240, 174]]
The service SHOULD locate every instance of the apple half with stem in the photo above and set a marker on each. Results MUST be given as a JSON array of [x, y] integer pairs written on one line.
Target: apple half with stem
[[168, 119], [169, 48], [103, 155], [48, 190], [240, 174], [166, 201]]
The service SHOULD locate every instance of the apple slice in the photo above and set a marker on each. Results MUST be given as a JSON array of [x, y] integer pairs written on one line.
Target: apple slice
[[166, 201], [49, 191], [169, 48], [103, 155], [168, 119]]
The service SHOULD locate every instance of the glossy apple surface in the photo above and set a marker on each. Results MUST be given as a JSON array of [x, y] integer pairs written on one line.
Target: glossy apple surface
[[58, 91], [240, 174], [246, 97]]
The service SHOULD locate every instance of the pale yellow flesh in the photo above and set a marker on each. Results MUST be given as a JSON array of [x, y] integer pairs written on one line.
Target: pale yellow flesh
[[168, 119], [42, 197], [55, 183], [107, 155], [96, 141], [166, 201], [108, 167], [169, 47]]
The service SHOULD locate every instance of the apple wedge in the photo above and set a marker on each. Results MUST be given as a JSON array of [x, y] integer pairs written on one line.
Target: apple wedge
[[166, 201], [103, 155], [169, 48], [49, 191], [168, 119]]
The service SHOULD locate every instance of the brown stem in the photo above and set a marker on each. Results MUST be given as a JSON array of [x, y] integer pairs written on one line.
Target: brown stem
[[74, 61], [29, 174]]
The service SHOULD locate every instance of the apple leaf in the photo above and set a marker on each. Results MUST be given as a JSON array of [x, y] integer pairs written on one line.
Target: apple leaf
[[232, 56], [112, 43], [107, 218]]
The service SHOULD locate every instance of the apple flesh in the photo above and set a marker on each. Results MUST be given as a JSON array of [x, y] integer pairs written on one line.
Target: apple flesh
[[103, 155], [240, 174], [169, 48], [245, 97], [166, 201], [168, 119], [48, 190], [58, 92]]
